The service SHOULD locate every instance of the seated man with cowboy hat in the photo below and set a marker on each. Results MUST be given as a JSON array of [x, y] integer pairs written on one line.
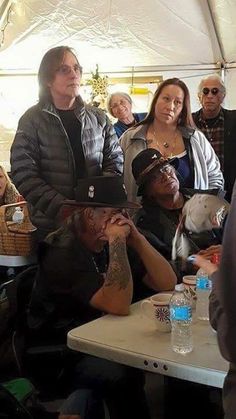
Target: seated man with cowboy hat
[[183, 218], [95, 264]]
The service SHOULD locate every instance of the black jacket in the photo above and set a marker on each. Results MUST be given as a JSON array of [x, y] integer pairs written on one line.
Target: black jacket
[[229, 148], [162, 225], [42, 161]]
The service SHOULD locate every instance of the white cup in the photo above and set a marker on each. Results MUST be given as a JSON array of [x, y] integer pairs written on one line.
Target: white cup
[[157, 309], [189, 282]]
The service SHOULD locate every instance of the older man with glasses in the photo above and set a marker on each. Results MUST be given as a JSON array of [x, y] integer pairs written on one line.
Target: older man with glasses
[[218, 125], [60, 140]]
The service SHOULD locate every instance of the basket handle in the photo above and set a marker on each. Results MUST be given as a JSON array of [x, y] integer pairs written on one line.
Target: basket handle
[[3, 209]]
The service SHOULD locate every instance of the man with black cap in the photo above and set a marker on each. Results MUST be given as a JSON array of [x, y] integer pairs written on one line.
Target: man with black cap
[[163, 202], [85, 272]]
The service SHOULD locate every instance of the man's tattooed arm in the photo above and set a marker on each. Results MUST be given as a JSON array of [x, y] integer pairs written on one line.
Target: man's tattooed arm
[[118, 273]]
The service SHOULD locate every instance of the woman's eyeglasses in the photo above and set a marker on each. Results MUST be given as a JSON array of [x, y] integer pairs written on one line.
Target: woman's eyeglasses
[[214, 91], [65, 69]]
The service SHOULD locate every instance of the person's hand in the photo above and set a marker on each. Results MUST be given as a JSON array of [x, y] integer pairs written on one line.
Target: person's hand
[[210, 251], [117, 226], [134, 235], [203, 263]]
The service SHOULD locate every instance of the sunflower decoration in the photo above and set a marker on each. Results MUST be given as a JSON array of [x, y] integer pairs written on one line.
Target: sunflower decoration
[[99, 89]]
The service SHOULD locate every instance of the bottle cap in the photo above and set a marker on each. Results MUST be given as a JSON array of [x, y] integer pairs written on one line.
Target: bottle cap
[[179, 287], [215, 259]]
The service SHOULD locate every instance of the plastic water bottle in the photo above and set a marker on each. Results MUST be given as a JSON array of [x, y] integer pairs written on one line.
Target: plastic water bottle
[[18, 215], [203, 290], [181, 319]]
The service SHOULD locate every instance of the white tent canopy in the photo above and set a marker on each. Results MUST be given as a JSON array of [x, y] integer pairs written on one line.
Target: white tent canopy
[[183, 38], [120, 33], [161, 35]]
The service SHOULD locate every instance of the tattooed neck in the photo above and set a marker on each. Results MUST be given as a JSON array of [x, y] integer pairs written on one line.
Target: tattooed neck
[[119, 273]]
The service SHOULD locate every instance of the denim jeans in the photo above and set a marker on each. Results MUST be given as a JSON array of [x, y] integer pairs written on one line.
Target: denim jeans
[[120, 386], [83, 402]]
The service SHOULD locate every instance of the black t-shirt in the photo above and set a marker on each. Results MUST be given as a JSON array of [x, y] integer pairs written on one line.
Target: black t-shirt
[[69, 275], [73, 128], [67, 279]]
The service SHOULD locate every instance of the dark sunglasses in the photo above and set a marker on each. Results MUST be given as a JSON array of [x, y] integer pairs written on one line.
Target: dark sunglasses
[[214, 91]]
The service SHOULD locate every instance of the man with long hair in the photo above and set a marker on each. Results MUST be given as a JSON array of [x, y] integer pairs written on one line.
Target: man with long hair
[[60, 140]]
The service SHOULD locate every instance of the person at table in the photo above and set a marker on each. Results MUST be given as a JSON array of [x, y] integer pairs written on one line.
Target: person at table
[[60, 140], [163, 200], [218, 125], [222, 305], [97, 263], [169, 128], [119, 104]]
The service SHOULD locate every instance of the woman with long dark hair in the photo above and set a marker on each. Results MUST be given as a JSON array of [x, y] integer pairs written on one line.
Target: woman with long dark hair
[[169, 128]]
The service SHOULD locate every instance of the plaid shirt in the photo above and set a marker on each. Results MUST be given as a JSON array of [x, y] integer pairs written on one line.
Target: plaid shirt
[[214, 132]]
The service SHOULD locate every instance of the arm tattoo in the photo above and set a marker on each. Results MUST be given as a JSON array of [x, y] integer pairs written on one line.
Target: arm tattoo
[[118, 272]]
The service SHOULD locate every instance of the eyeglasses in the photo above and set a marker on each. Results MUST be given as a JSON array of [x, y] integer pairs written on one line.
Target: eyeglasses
[[167, 170], [214, 91], [65, 69]]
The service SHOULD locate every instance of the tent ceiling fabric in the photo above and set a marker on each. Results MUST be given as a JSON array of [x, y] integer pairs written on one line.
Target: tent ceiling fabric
[[120, 33]]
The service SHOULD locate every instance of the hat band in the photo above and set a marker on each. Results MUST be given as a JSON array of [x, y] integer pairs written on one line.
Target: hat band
[[158, 162]]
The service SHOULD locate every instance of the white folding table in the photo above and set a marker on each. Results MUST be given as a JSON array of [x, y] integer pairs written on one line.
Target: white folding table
[[133, 340]]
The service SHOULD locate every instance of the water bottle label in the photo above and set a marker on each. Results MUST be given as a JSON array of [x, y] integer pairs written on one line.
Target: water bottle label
[[181, 313], [203, 283]]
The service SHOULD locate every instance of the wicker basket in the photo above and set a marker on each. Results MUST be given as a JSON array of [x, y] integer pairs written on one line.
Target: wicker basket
[[16, 239]]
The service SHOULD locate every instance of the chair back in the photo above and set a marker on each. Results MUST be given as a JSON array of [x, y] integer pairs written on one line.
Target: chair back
[[44, 364]]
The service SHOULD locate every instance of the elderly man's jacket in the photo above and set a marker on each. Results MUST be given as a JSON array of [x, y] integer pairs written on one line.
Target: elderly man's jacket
[[229, 148]]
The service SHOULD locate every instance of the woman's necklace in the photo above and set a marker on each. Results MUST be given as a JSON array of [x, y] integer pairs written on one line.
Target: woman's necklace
[[169, 148]]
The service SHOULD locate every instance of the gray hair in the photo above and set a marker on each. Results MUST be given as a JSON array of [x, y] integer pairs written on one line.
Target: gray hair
[[76, 221], [110, 97], [212, 77]]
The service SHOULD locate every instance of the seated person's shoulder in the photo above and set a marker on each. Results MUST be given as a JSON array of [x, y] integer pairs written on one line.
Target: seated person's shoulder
[[56, 247]]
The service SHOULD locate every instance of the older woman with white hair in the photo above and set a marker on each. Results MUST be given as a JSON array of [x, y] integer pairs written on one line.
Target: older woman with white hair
[[119, 104]]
